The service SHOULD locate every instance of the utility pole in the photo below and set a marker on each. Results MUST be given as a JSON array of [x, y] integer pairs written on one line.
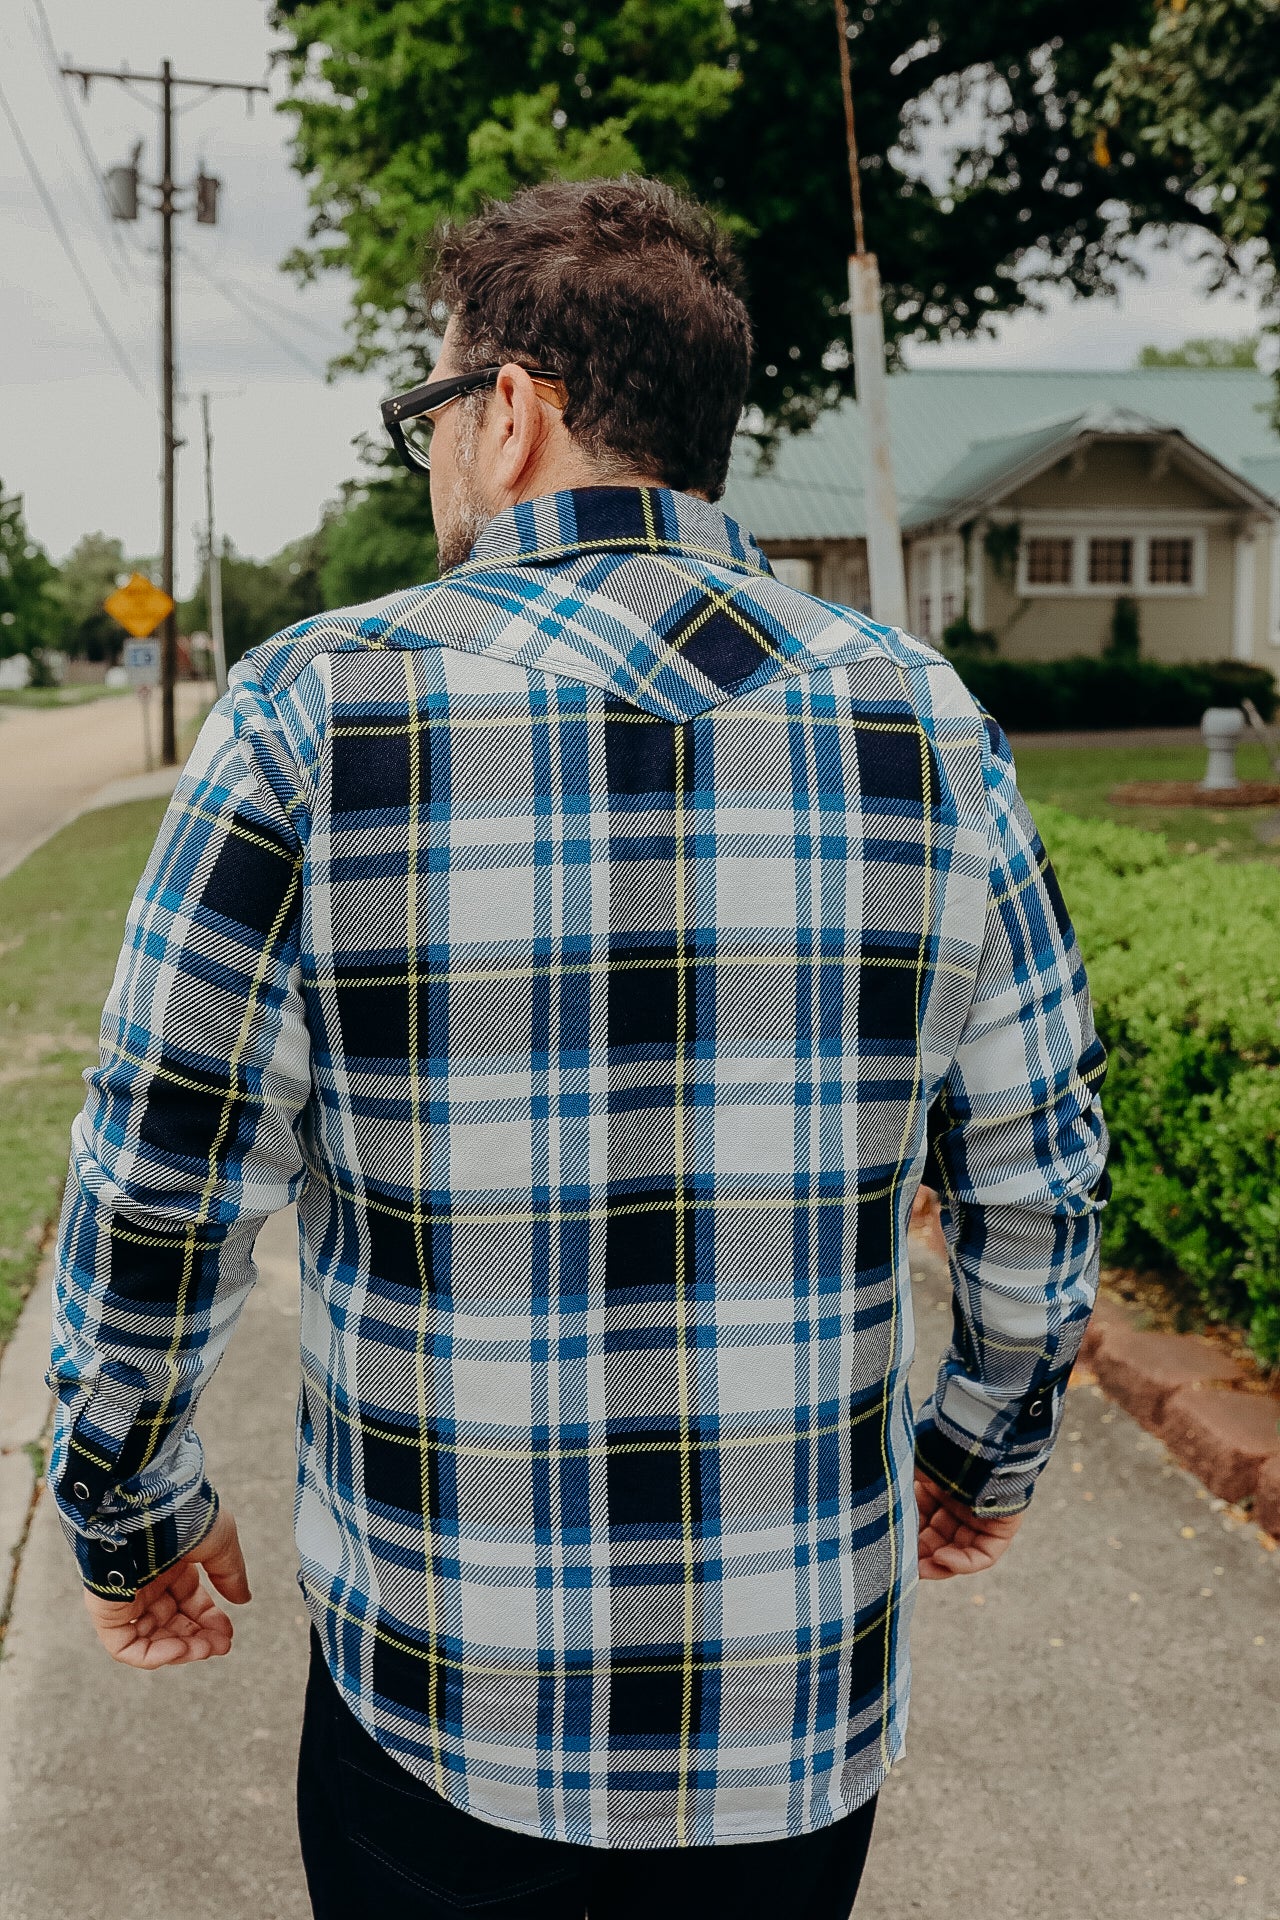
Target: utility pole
[[884, 534], [169, 631], [122, 192], [213, 560]]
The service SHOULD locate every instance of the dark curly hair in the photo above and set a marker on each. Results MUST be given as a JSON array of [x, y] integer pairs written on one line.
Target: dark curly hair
[[633, 294]]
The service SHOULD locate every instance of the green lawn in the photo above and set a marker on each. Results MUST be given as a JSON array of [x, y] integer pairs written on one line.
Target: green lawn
[[1080, 779], [61, 920], [59, 696]]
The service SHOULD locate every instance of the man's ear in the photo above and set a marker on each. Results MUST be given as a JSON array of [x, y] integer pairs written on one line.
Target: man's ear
[[522, 425]]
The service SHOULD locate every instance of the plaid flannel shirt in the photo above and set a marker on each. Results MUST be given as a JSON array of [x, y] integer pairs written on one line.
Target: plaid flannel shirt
[[593, 944]]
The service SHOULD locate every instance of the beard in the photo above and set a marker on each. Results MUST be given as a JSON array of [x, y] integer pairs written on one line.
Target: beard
[[461, 521], [458, 529]]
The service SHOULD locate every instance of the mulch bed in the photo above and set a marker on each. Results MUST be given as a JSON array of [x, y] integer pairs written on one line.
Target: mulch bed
[[1158, 1310], [1187, 793]]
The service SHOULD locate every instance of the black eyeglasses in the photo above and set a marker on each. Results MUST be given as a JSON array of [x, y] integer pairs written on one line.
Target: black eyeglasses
[[409, 417]]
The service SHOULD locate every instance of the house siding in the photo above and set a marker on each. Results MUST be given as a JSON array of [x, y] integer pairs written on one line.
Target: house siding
[[1050, 627], [1136, 479], [1130, 483]]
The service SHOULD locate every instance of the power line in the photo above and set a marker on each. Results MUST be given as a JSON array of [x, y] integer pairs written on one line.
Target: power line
[[240, 303], [277, 306], [64, 241], [100, 205], [168, 206]]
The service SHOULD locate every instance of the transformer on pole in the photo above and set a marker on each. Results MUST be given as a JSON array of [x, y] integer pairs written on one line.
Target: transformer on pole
[[122, 185]]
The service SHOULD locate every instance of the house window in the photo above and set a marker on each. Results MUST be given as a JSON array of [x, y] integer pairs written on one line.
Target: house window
[[1125, 559], [1111, 563], [1170, 563], [1049, 561], [937, 584]]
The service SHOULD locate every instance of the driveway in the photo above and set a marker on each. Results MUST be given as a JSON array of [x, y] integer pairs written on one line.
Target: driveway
[[54, 759]]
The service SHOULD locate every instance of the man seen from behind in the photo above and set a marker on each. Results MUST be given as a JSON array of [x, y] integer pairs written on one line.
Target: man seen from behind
[[592, 944]]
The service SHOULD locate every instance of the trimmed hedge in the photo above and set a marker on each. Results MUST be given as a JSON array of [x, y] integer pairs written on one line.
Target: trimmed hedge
[[1184, 965], [1088, 692]]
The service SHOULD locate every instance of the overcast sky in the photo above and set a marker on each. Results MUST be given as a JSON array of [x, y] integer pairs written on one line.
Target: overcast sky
[[83, 446]]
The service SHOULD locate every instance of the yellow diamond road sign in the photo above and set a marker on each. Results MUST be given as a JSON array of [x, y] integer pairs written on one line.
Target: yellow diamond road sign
[[139, 606]]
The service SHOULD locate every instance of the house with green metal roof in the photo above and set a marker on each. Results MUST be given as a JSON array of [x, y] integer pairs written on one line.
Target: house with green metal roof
[[1031, 502]]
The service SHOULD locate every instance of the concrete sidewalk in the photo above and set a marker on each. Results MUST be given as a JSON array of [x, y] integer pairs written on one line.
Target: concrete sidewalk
[[1095, 1732], [169, 1796], [55, 761]]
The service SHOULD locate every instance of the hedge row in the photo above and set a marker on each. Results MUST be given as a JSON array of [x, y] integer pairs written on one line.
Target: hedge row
[[1184, 965], [1087, 692]]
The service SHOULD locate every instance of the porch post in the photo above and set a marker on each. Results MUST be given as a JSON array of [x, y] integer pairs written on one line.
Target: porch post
[[975, 582], [1245, 593]]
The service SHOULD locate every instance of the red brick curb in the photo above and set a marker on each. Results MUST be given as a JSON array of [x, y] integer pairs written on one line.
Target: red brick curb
[[1266, 1497], [1185, 1390]]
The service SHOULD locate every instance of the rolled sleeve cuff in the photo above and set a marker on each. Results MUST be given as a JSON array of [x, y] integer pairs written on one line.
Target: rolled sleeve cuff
[[115, 1565], [990, 1487]]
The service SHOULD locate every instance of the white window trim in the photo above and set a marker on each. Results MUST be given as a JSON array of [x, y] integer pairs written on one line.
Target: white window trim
[[928, 558], [1141, 533]]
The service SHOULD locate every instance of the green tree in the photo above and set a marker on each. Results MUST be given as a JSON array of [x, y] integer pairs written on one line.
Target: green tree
[[1208, 353], [1200, 93], [28, 609], [376, 538], [379, 540], [409, 109], [259, 597]]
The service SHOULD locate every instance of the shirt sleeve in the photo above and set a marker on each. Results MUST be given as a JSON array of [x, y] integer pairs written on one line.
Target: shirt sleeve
[[185, 1144], [1018, 1147]]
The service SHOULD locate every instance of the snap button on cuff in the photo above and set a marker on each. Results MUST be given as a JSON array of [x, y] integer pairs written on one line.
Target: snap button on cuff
[[80, 1490], [115, 1578]]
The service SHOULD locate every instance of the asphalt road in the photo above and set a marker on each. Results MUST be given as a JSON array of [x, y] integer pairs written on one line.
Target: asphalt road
[[1095, 1732], [54, 759]]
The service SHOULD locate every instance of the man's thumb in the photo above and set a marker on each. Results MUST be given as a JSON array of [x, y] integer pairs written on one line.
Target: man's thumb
[[223, 1561]]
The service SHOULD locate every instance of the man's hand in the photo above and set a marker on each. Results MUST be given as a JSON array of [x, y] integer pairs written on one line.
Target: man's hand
[[174, 1619], [953, 1538]]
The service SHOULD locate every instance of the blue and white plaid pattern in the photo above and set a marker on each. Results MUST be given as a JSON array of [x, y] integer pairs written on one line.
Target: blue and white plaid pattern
[[591, 943]]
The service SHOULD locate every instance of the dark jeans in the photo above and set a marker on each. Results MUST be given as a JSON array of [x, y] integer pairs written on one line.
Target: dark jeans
[[380, 1845]]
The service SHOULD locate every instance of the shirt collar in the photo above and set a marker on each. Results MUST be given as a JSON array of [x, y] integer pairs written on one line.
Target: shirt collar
[[560, 526]]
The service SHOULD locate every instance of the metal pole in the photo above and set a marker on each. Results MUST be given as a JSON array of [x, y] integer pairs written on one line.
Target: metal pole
[[884, 534], [213, 560], [169, 629]]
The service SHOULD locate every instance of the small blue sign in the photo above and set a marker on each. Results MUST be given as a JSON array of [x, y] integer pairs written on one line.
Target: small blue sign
[[141, 660]]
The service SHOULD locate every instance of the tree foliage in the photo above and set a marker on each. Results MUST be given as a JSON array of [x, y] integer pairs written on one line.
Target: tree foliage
[[380, 540], [95, 567], [259, 597], [28, 610], [1201, 92], [1208, 353], [375, 538], [984, 180]]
